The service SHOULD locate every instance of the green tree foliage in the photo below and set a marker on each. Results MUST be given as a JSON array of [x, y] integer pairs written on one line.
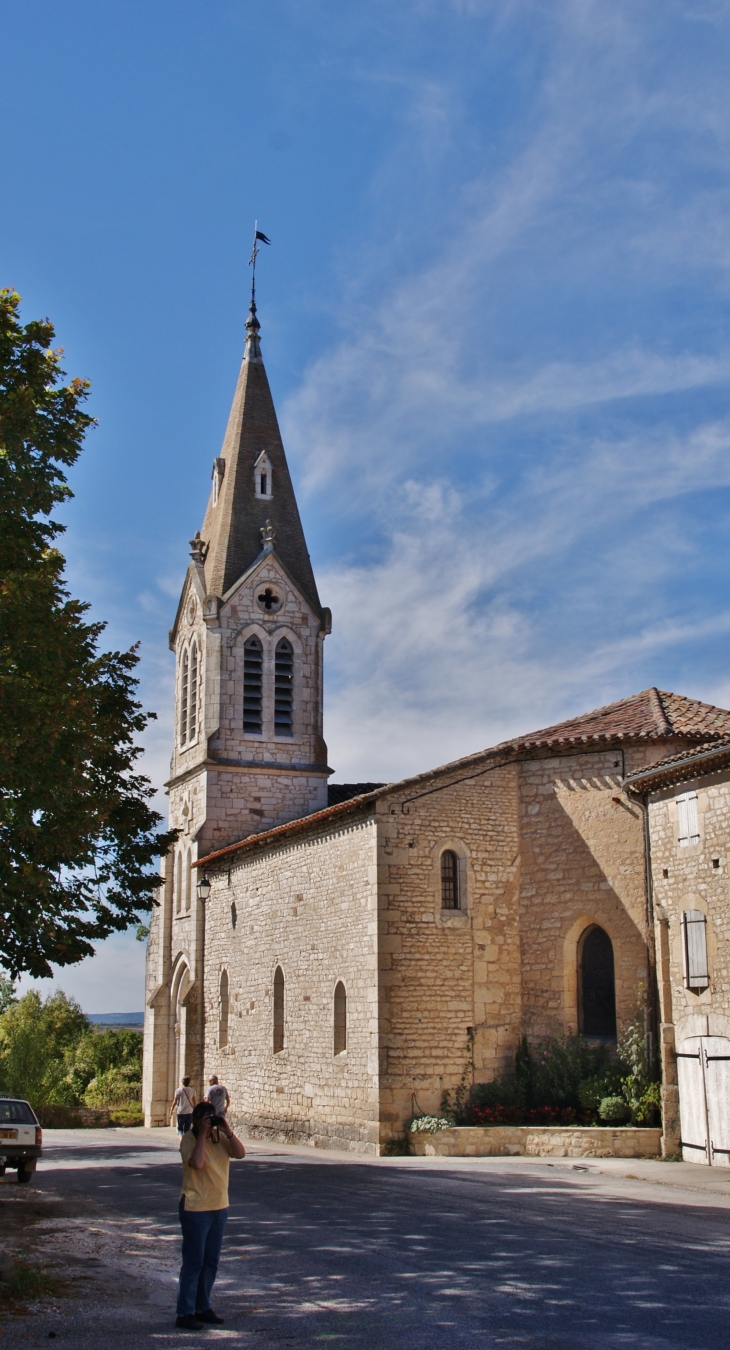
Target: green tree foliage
[[77, 833], [37, 1042], [52, 1055]]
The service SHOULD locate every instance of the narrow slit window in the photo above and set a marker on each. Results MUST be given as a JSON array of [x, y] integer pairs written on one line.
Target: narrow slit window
[[178, 884], [449, 880], [184, 673], [223, 1010], [694, 947], [253, 662], [193, 698], [340, 1018], [188, 880], [278, 1010], [263, 485], [688, 830], [284, 689]]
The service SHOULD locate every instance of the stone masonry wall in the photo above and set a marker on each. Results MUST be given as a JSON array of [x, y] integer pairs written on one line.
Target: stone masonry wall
[[308, 906], [582, 863], [441, 971], [693, 882]]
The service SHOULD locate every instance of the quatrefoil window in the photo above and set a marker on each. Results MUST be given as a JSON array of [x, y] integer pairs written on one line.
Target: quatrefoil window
[[269, 600]]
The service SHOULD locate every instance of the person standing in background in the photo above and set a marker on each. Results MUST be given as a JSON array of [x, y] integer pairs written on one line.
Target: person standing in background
[[218, 1096], [183, 1103]]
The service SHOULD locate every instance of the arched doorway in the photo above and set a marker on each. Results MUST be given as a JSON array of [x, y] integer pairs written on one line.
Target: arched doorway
[[596, 985]]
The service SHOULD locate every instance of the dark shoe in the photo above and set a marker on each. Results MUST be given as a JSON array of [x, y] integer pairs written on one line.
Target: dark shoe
[[209, 1316], [189, 1322]]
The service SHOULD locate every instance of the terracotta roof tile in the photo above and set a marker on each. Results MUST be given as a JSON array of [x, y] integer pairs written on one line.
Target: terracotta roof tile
[[650, 715]]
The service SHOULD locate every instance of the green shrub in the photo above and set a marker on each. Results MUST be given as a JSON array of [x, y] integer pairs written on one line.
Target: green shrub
[[614, 1110], [116, 1087], [37, 1042]]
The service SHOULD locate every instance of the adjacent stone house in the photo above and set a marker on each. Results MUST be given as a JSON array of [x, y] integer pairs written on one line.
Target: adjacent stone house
[[687, 798], [342, 954]]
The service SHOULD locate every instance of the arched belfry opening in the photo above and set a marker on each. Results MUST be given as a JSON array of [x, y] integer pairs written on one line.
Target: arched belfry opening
[[596, 985]]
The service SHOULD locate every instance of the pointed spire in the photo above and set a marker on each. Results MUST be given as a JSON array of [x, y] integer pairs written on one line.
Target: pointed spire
[[243, 521]]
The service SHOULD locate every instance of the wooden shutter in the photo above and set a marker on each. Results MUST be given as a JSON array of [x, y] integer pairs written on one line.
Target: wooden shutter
[[694, 944], [688, 831]]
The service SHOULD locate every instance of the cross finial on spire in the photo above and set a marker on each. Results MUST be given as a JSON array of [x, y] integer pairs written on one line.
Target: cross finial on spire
[[253, 327]]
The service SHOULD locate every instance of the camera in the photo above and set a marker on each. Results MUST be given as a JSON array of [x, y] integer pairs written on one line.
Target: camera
[[217, 1121]]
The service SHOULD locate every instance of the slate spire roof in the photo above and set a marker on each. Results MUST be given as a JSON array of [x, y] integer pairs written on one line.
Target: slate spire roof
[[233, 525]]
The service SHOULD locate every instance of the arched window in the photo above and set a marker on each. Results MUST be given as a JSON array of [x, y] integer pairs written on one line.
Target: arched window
[[253, 658], [596, 985], [278, 1010], [262, 477], [340, 1018], [188, 879], [223, 1010], [284, 689], [449, 880], [184, 674], [193, 697], [179, 884]]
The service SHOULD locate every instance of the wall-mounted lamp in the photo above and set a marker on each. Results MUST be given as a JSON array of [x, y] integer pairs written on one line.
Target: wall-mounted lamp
[[204, 889]]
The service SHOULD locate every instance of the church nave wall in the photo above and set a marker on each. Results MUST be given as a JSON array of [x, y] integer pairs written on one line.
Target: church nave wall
[[308, 907]]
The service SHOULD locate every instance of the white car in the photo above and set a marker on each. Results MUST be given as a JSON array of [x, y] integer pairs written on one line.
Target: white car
[[21, 1137]]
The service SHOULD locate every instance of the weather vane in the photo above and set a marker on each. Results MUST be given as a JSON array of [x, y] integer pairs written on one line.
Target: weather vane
[[257, 237]]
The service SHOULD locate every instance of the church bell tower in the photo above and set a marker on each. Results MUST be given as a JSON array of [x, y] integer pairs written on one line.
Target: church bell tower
[[248, 750]]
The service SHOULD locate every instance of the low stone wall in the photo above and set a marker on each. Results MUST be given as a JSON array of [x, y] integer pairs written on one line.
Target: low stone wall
[[537, 1141]]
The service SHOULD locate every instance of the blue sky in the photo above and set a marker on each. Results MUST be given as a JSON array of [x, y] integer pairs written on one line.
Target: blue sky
[[494, 316]]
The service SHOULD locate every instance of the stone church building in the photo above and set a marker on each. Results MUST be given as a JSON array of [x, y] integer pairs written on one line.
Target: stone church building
[[342, 954]]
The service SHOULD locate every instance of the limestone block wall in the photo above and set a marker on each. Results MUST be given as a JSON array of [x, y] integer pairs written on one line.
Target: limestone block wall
[[582, 863], [686, 877], [310, 907], [444, 972], [248, 801], [241, 617]]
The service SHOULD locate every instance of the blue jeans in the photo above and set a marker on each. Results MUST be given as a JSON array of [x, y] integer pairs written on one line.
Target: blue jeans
[[184, 1122], [202, 1239]]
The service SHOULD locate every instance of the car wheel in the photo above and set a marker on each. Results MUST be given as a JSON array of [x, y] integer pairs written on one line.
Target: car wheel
[[25, 1174]]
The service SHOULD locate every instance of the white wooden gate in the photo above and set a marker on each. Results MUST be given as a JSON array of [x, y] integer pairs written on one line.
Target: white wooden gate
[[703, 1066]]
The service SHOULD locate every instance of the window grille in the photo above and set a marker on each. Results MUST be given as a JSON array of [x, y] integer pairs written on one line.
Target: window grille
[[253, 659], [688, 831], [694, 947], [223, 1010], [184, 697], [449, 880], [278, 1010], [178, 885], [193, 697], [340, 1018], [284, 689]]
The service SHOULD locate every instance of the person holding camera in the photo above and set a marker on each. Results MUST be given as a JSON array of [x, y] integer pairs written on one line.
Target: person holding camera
[[206, 1152]]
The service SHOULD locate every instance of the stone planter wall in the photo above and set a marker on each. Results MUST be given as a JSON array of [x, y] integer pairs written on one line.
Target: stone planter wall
[[537, 1141]]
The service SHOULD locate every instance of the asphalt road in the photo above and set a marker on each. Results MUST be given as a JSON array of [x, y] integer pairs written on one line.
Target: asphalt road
[[394, 1254]]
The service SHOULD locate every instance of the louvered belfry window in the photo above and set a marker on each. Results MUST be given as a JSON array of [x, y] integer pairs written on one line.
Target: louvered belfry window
[[284, 689], [253, 659], [184, 673], [193, 697], [694, 945], [449, 880], [688, 830]]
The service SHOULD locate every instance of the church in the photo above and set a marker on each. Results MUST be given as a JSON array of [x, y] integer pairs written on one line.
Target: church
[[343, 954]]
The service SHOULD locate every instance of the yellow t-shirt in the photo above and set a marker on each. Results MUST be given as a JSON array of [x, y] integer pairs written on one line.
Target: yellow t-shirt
[[205, 1187]]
